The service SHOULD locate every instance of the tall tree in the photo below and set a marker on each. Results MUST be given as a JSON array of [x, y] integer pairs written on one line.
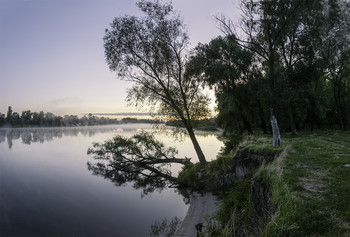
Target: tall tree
[[26, 117], [9, 116], [151, 52], [264, 25], [2, 120], [230, 70], [334, 47], [296, 56]]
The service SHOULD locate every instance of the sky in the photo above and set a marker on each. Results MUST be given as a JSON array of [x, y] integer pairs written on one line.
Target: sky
[[52, 55]]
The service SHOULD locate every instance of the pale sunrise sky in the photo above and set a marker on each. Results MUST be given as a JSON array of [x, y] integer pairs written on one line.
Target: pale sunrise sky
[[52, 56]]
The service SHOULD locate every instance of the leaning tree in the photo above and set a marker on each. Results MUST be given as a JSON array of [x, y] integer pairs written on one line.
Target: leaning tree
[[150, 51]]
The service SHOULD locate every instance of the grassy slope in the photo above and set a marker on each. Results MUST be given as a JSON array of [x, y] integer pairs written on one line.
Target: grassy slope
[[311, 186], [309, 180]]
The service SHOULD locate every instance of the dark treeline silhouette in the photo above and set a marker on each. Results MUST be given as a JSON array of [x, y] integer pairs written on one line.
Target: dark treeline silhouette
[[42, 119], [292, 63]]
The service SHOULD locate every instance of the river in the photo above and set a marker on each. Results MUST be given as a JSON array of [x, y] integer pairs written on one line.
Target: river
[[47, 190]]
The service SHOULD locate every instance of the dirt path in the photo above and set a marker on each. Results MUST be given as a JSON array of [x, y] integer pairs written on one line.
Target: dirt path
[[200, 209]]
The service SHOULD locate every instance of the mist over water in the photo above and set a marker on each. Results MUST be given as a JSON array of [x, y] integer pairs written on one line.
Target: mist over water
[[47, 190]]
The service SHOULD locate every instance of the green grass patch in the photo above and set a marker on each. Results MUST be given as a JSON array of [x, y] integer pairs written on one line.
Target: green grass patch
[[313, 189], [262, 145], [310, 182], [236, 211]]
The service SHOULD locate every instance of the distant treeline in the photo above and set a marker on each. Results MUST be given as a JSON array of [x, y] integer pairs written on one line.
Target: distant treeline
[[42, 119], [207, 124]]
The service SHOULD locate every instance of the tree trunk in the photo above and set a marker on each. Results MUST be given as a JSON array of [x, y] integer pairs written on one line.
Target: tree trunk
[[244, 119], [247, 125], [196, 145], [275, 131], [293, 129], [262, 118], [338, 103]]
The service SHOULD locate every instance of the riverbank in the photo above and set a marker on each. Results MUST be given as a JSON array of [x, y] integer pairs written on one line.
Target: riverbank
[[201, 210], [301, 188]]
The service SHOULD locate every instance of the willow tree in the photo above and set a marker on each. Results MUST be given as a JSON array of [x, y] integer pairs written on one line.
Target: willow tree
[[150, 50]]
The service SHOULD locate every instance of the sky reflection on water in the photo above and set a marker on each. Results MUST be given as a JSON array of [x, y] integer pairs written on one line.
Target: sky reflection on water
[[46, 189]]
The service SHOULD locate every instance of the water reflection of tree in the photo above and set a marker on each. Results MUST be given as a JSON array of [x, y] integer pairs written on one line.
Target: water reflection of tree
[[140, 160], [41, 135], [2, 136]]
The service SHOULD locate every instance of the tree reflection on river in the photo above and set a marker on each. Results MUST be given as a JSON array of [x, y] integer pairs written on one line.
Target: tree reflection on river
[[32, 134], [47, 190]]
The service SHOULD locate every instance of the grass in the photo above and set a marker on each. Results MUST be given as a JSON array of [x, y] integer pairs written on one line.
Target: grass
[[313, 189], [316, 175], [310, 185], [259, 145]]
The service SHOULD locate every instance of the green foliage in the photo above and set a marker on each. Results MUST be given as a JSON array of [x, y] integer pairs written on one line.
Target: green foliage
[[199, 124], [229, 69], [189, 176], [206, 178], [292, 63], [231, 142], [236, 204]]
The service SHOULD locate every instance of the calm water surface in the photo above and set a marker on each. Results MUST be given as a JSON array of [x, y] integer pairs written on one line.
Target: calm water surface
[[47, 190]]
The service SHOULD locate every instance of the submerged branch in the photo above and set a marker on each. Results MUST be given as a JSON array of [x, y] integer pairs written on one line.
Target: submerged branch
[[140, 159]]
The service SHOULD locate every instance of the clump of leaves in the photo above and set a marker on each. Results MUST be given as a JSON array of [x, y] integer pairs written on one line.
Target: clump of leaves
[[190, 176]]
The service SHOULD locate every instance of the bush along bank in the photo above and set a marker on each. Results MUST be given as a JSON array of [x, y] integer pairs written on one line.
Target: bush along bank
[[301, 188]]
